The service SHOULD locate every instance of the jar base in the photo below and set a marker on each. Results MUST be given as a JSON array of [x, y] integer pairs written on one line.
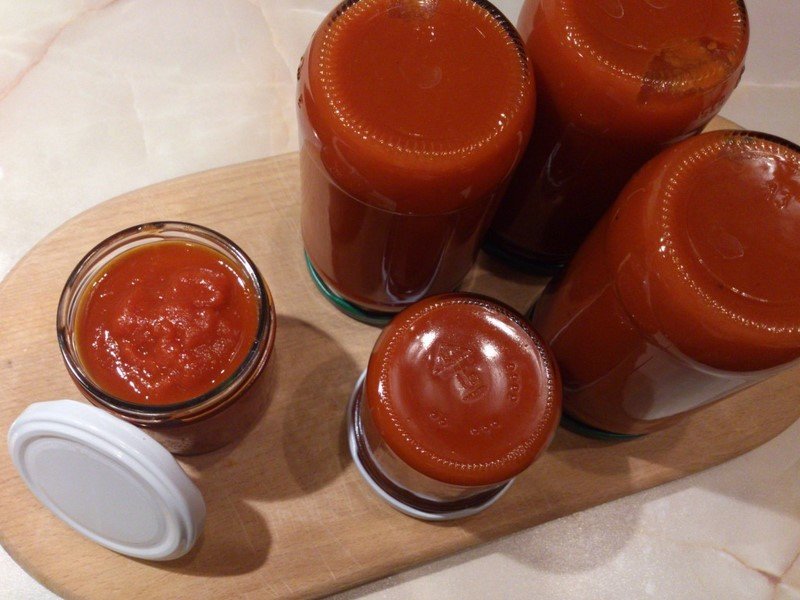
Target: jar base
[[399, 498], [378, 319], [536, 266]]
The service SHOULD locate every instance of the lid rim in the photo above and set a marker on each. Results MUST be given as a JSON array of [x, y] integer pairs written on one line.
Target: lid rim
[[179, 504]]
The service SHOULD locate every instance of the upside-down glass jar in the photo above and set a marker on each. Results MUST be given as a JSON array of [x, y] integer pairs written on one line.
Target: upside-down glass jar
[[169, 326], [617, 81], [686, 291], [460, 396], [412, 116]]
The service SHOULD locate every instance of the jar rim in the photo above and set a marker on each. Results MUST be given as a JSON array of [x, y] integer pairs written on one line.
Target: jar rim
[[154, 232]]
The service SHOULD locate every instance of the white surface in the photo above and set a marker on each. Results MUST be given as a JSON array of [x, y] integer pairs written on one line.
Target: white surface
[[107, 479], [102, 97]]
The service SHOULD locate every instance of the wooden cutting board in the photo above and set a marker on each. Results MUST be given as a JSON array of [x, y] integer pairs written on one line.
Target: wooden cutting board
[[288, 515]]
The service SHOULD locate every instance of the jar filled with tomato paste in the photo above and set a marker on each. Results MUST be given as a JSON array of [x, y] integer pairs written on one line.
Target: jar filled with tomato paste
[[459, 397], [412, 116], [687, 290], [617, 81], [169, 326]]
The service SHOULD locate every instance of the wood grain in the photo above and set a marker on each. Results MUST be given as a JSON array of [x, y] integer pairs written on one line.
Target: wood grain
[[288, 515]]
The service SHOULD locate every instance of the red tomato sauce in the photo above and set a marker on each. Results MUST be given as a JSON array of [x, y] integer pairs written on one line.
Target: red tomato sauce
[[616, 82], [166, 322], [687, 290], [463, 390], [412, 116]]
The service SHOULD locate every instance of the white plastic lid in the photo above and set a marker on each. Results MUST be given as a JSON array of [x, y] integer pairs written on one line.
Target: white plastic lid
[[107, 479]]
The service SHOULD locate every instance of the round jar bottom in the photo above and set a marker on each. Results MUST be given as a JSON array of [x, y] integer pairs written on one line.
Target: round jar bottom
[[399, 497], [376, 318]]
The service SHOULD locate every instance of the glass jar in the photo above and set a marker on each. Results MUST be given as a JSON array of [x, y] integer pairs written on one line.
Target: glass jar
[[616, 82], [687, 290], [146, 364], [412, 115], [459, 397]]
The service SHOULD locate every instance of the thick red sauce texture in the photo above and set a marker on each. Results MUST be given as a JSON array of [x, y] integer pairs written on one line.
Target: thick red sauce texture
[[166, 322], [687, 290], [412, 116], [463, 390], [616, 82]]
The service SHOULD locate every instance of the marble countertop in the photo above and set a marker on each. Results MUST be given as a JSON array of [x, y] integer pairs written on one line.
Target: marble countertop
[[101, 97]]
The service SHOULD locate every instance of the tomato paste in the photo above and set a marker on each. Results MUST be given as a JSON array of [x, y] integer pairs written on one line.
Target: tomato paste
[[166, 322]]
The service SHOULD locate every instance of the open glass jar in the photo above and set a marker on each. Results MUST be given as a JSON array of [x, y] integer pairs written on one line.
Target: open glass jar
[[142, 366]]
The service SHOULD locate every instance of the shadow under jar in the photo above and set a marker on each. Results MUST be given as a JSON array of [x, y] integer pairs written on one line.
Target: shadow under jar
[[169, 326], [460, 396], [412, 116], [617, 81], [686, 291]]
